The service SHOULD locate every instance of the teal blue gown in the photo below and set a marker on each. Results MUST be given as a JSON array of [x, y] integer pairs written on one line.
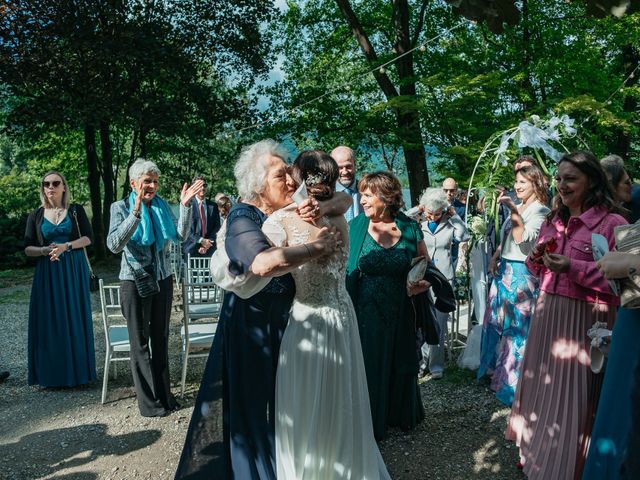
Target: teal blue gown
[[60, 346], [609, 438]]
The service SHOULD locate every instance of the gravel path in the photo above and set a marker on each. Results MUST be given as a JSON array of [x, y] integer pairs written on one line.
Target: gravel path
[[68, 434]]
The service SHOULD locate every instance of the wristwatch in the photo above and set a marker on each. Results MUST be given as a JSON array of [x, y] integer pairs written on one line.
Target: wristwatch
[[69, 246]]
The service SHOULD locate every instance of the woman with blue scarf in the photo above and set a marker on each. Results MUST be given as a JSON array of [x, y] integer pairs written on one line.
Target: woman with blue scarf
[[142, 227]]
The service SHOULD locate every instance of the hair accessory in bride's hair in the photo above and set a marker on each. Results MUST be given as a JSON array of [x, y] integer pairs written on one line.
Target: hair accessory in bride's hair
[[314, 179]]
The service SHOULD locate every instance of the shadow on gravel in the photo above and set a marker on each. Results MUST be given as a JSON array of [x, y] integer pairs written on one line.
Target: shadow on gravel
[[47, 452], [461, 437], [76, 476]]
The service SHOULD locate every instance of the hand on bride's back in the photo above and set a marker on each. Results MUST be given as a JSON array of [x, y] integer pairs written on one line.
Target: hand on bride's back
[[329, 239]]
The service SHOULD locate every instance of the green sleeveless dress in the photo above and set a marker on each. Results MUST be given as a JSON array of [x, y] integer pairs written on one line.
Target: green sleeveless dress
[[377, 285]]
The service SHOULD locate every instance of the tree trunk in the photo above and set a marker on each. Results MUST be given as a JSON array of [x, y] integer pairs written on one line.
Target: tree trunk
[[126, 188], [529, 94], [107, 174], [415, 158], [117, 162], [407, 115], [143, 142], [94, 191], [630, 58]]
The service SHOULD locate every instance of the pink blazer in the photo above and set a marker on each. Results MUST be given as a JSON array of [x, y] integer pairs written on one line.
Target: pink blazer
[[583, 280]]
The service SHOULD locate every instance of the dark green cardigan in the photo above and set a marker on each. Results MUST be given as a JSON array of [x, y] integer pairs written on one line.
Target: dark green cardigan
[[409, 230]]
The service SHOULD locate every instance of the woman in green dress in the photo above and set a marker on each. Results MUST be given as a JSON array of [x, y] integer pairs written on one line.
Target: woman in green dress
[[383, 243]]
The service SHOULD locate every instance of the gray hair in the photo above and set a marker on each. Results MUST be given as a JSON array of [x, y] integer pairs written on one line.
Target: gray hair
[[613, 166], [347, 152], [142, 167], [251, 168], [434, 199]]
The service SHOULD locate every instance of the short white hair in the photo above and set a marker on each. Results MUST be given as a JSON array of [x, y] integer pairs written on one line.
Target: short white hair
[[142, 167], [251, 168], [434, 199]]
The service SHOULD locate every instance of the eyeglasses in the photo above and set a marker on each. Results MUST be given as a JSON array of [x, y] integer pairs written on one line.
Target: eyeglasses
[[53, 184], [434, 213], [449, 190]]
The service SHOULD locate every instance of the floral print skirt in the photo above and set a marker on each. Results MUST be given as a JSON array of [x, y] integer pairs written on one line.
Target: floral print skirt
[[505, 329]]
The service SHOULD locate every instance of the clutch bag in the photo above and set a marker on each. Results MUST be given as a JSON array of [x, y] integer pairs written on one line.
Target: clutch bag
[[418, 270], [628, 241]]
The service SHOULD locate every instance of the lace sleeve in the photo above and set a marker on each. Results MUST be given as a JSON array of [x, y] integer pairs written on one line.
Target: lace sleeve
[[274, 230]]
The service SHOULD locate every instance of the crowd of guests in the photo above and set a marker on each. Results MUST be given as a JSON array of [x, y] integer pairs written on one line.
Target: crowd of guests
[[307, 374], [547, 292]]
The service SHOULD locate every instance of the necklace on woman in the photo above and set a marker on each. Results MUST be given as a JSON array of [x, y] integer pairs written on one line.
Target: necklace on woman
[[57, 213]]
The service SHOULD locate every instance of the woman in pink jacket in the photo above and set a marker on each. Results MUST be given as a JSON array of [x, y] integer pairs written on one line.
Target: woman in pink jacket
[[557, 395]]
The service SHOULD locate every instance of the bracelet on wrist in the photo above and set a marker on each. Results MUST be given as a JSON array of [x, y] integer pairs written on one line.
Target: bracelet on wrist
[[307, 248], [69, 246], [136, 213]]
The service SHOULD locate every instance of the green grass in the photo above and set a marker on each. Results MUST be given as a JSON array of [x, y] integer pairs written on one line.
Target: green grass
[[13, 277], [19, 296], [456, 375]]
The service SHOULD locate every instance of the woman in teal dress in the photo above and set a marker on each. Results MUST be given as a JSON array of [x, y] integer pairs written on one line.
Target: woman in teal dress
[[610, 435], [60, 345], [383, 243]]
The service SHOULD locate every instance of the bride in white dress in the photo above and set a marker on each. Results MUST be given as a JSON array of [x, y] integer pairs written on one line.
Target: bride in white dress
[[323, 425]]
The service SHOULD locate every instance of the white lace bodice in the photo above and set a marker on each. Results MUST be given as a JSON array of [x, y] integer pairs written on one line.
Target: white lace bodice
[[319, 282]]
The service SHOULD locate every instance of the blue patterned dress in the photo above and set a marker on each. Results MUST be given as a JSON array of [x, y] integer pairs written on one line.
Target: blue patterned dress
[[505, 329], [61, 351]]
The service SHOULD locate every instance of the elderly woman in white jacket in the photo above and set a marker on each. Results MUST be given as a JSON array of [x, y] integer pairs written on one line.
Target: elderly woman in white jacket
[[441, 228]]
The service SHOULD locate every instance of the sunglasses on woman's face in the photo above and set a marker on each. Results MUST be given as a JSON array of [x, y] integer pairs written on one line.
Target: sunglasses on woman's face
[[53, 184]]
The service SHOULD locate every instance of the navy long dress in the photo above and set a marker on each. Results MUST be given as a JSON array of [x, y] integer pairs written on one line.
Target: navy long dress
[[232, 430], [61, 351], [610, 435]]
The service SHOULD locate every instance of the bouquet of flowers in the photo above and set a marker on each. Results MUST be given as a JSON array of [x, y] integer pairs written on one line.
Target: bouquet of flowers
[[477, 228]]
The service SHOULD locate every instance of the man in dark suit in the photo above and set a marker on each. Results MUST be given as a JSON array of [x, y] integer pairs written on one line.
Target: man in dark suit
[[205, 223]]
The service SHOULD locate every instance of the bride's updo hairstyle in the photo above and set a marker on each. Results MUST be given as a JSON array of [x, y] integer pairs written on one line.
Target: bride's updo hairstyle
[[318, 170]]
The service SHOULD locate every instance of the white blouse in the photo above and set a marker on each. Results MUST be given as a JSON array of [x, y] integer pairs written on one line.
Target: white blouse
[[532, 217]]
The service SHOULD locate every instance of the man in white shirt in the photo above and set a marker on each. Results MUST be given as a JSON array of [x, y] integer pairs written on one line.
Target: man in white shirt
[[346, 160]]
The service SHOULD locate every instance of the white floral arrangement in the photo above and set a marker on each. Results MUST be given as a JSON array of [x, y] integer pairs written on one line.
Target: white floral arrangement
[[545, 138], [535, 133]]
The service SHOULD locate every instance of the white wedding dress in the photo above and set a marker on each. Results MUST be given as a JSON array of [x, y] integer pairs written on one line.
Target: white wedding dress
[[323, 418]]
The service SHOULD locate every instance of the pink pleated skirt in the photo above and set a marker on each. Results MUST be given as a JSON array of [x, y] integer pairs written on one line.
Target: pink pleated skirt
[[557, 395]]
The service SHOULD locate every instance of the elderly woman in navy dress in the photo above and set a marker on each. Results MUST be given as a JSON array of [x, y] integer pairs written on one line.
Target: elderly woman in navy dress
[[61, 352], [232, 430]]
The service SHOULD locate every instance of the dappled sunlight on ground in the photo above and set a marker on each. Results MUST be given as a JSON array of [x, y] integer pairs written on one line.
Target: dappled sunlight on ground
[[483, 458]]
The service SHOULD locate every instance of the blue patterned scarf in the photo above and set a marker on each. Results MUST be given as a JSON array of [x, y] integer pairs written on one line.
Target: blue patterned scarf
[[157, 231]]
